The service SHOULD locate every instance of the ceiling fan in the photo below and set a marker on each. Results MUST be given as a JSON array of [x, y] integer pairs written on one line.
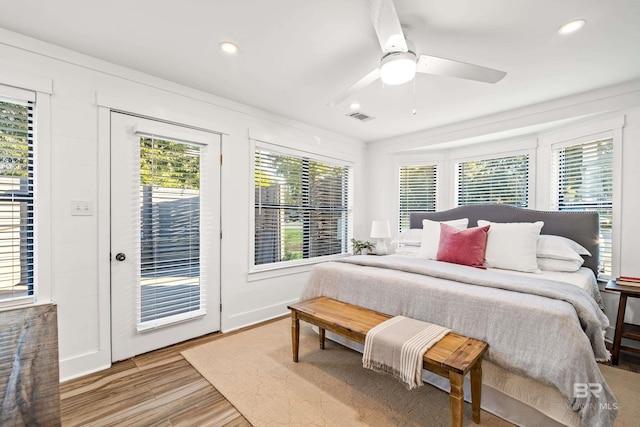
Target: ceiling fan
[[399, 61]]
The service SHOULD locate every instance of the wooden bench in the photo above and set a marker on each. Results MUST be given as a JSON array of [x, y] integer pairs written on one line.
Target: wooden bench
[[452, 357]]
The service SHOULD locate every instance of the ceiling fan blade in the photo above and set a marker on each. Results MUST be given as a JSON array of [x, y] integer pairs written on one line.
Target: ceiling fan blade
[[387, 25], [448, 67], [360, 84]]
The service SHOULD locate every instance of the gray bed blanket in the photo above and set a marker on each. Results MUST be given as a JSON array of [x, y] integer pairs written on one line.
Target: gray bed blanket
[[545, 330]]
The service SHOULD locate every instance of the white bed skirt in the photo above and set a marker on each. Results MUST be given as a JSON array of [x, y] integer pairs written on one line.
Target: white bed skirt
[[519, 400]]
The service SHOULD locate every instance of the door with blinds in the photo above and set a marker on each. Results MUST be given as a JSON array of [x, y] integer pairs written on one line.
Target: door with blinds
[[165, 227]]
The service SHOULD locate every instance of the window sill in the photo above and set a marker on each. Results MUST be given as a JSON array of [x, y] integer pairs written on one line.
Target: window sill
[[170, 320], [19, 302], [295, 267]]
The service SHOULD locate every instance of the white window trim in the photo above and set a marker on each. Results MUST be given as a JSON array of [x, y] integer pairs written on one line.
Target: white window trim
[[19, 79], [263, 271], [152, 111], [40, 89], [43, 259], [607, 128], [586, 131], [502, 148], [184, 135]]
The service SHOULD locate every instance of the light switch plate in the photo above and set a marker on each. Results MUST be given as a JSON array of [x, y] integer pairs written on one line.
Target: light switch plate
[[81, 208]]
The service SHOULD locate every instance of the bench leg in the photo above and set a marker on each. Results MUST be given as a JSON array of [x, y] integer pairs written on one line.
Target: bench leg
[[476, 390], [456, 398], [295, 335], [321, 335]]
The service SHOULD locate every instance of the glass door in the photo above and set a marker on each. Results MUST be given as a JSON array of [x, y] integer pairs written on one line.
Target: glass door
[[165, 246]]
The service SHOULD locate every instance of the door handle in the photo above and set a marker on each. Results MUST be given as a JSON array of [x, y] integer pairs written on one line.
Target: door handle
[[121, 257]]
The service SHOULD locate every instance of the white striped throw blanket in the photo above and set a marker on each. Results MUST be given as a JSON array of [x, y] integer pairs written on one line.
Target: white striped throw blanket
[[397, 347]]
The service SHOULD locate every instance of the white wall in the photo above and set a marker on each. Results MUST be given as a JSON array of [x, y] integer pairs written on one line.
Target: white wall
[[76, 130], [529, 129], [83, 90]]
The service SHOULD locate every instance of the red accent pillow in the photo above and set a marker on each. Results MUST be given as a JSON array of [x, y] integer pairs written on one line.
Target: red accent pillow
[[465, 247]]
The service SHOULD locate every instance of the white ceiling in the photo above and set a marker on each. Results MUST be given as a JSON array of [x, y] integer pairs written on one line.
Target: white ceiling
[[296, 55]]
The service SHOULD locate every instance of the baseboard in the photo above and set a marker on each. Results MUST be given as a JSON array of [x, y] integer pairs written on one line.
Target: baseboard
[[252, 317], [79, 366]]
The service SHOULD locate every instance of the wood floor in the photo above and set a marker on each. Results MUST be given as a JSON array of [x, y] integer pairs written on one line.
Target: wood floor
[[161, 388]]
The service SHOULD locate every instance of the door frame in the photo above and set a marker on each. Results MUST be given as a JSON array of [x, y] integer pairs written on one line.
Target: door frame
[[101, 358]]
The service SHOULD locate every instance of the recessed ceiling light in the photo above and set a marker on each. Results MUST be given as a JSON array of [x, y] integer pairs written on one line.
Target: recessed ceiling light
[[354, 106], [229, 47], [572, 26]]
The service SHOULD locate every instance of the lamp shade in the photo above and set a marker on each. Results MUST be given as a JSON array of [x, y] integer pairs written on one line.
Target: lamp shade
[[380, 230]]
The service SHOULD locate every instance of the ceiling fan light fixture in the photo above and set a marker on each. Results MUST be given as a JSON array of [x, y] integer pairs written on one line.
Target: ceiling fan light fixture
[[397, 68]]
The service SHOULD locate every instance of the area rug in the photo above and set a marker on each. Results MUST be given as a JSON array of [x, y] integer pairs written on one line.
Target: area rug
[[255, 372]]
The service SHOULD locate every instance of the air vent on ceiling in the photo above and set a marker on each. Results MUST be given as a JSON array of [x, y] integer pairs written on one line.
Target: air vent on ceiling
[[360, 116]]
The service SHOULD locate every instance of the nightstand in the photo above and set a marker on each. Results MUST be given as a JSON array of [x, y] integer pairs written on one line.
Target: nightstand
[[623, 330]]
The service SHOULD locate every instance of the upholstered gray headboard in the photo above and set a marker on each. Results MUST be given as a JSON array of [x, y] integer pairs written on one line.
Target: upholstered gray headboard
[[580, 226]]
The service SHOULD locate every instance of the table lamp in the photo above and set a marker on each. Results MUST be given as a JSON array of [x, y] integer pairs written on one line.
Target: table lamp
[[380, 231]]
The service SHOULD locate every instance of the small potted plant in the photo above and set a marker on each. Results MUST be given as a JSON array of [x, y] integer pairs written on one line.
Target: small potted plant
[[361, 245]]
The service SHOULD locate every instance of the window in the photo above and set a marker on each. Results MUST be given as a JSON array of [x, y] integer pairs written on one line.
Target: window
[[503, 180], [301, 207], [170, 280], [17, 232], [417, 192], [583, 180]]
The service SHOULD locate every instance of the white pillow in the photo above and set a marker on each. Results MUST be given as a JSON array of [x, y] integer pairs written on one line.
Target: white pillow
[[550, 264], [408, 250], [512, 246], [431, 235], [411, 237], [558, 247]]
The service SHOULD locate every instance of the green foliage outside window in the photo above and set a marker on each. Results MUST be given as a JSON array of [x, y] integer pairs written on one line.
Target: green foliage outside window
[[503, 180], [14, 149], [169, 164], [300, 207]]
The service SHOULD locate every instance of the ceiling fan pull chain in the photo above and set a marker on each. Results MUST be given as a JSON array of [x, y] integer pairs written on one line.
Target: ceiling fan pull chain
[[414, 96]]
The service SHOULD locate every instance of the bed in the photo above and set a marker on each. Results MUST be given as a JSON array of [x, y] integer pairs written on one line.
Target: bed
[[545, 336]]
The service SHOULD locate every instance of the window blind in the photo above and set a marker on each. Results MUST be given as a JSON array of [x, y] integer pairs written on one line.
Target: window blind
[[583, 180], [17, 233], [169, 193], [301, 207], [503, 180], [417, 192]]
